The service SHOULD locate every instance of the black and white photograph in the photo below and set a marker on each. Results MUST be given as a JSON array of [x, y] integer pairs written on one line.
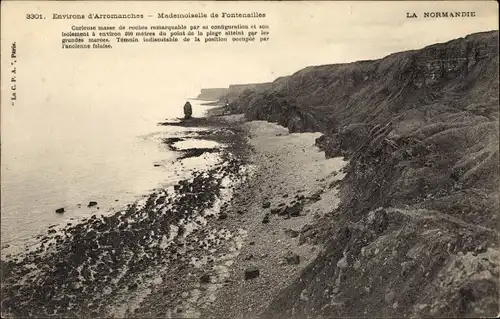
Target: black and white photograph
[[250, 159]]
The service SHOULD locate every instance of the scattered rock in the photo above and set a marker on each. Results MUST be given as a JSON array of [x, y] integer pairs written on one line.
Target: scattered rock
[[275, 210], [132, 286], [92, 204], [292, 258], [266, 204], [300, 197], [251, 272], [205, 279], [316, 196], [222, 215], [265, 220], [292, 211], [283, 211], [335, 184]]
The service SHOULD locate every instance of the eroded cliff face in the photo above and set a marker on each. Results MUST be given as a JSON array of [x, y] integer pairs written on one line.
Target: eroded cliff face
[[236, 90], [416, 232], [371, 91], [231, 93], [213, 94]]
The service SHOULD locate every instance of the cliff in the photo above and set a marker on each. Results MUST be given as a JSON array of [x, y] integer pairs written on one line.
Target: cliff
[[416, 231], [230, 93], [235, 90], [211, 94]]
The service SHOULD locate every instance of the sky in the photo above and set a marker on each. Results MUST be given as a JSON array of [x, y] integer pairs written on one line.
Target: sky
[[301, 34]]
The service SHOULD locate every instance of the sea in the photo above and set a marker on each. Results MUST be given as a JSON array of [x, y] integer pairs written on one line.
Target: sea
[[67, 158]]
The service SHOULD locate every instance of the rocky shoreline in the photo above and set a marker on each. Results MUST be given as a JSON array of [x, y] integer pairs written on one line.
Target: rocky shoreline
[[221, 243], [107, 265]]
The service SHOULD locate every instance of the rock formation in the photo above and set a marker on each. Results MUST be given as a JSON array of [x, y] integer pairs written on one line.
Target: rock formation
[[188, 110]]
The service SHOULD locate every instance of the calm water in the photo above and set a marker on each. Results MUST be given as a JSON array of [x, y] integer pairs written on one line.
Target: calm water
[[65, 157]]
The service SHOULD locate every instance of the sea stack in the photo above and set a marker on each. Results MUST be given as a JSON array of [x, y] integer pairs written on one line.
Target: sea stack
[[188, 110]]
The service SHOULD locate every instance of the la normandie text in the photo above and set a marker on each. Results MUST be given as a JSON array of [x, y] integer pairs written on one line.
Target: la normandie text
[[456, 14]]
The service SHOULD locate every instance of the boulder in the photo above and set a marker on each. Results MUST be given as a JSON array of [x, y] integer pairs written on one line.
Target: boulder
[[251, 273], [275, 210], [60, 210], [205, 279], [292, 211], [222, 215], [265, 220], [283, 210], [291, 233], [92, 204], [295, 210]]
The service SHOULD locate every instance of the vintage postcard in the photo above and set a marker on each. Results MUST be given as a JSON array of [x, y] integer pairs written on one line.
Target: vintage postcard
[[249, 159]]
